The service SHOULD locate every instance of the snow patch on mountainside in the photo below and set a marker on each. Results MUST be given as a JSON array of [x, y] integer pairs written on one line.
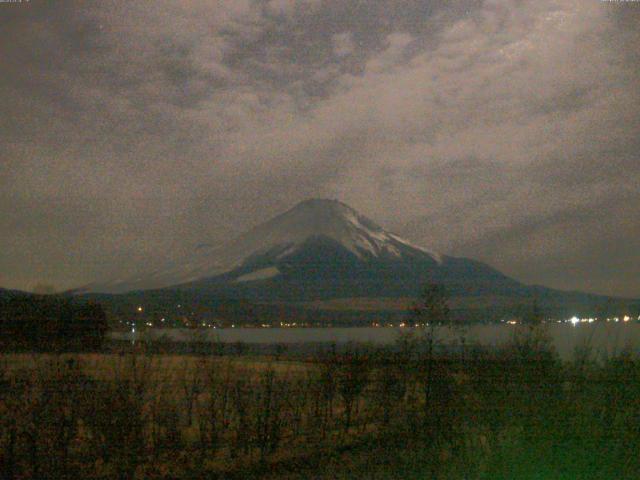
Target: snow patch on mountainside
[[436, 256], [261, 274]]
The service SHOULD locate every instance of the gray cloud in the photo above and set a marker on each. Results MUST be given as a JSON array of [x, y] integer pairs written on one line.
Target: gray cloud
[[500, 129]]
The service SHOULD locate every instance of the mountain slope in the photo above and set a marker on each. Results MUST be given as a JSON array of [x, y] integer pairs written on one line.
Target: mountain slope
[[322, 268], [276, 239], [323, 249]]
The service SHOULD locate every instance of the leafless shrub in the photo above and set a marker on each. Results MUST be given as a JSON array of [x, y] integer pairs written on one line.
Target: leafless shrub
[[352, 378], [191, 380]]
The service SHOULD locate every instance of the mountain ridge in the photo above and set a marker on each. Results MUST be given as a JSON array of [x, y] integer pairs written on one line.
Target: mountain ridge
[[322, 250]]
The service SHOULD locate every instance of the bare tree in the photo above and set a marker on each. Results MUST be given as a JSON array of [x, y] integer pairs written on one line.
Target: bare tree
[[352, 378], [431, 311]]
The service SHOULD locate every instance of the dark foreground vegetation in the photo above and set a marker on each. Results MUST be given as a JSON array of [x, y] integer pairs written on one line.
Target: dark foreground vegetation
[[407, 411], [48, 323]]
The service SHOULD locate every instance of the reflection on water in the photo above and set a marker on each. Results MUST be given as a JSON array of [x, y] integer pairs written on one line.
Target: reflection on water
[[604, 338]]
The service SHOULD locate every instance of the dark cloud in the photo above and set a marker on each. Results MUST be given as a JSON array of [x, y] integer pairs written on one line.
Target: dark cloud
[[505, 130]]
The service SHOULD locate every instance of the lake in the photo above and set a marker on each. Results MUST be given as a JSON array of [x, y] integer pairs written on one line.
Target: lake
[[603, 337]]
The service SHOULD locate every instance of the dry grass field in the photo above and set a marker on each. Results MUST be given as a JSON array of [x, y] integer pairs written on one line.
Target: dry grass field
[[361, 413]]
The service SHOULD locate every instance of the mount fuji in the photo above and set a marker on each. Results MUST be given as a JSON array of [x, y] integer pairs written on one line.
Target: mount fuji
[[323, 251], [318, 249]]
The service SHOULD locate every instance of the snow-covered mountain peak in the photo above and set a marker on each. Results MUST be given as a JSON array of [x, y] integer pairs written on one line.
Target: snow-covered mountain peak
[[284, 235], [325, 218]]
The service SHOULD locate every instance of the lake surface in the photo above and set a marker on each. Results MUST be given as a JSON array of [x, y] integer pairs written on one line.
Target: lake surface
[[604, 338]]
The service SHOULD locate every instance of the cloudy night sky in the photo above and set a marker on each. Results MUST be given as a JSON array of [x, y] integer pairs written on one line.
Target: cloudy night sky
[[502, 130]]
